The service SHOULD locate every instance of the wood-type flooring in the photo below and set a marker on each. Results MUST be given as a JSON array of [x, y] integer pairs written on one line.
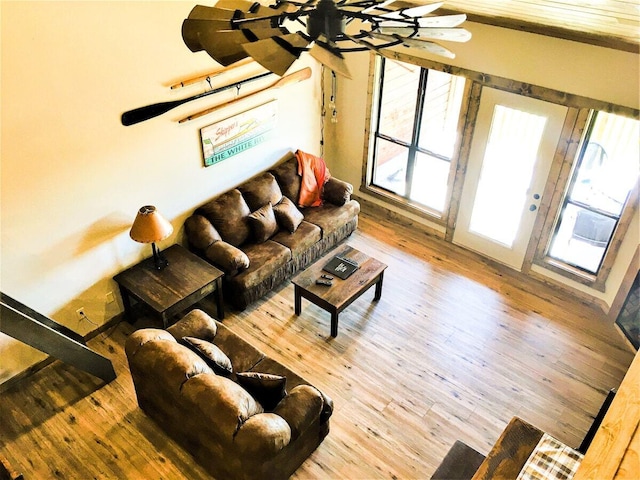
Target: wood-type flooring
[[456, 346]]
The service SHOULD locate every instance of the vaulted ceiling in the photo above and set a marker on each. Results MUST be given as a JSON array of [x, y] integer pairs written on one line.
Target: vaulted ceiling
[[608, 23]]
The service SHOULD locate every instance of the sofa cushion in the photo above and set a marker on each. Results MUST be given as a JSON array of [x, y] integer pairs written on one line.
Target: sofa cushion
[[228, 213], [266, 388], [200, 232], [227, 257], [178, 362], [299, 242], [331, 217], [263, 223], [243, 355], [287, 215], [264, 258], [286, 174], [211, 354], [222, 405], [261, 190]]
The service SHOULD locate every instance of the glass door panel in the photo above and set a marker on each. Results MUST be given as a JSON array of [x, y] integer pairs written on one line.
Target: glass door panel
[[510, 155], [513, 146]]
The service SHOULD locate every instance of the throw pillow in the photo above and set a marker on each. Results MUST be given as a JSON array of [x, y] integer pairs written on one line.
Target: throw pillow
[[263, 223], [287, 215], [228, 214], [211, 354], [266, 388], [261, 190]]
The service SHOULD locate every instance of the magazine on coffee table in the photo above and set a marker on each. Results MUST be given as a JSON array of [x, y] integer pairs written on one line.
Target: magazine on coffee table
[[341, 267]]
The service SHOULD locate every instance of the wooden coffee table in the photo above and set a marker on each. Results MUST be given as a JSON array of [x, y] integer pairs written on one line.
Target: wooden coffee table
[[342, 293], [186, 280]]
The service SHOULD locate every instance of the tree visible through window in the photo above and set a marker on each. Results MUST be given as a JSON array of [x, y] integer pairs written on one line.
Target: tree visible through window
[[605, 172], [416, 132]]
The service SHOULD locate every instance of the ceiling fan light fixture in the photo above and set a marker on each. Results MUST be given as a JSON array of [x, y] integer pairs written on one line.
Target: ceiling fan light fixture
[[326, 20]]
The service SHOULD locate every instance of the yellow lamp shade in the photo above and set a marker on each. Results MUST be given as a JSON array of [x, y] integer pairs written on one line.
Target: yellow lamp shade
[[149, 226]]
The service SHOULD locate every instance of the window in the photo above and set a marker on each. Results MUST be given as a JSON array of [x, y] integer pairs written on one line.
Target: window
[[415, 133], [604, 174]]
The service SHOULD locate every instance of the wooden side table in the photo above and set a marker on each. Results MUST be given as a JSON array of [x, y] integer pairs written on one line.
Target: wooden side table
[[185, 281]]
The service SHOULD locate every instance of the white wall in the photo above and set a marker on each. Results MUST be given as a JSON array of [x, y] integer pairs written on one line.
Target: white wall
[[73, 177], [595, 72]]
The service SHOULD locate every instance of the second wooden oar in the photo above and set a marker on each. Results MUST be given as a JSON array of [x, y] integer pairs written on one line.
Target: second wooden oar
[[207, 76], [141, 114], [290, 79]]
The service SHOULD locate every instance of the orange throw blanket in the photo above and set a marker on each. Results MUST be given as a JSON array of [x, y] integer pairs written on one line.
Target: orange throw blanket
[[314, 173]]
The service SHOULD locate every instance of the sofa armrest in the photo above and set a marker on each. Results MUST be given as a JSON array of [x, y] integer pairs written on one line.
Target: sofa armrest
[[337, 191], [200, 232], [262, 436], [229, 258], [302, 405]]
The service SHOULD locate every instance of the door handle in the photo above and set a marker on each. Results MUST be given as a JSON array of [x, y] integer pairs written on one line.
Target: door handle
[[536, 196], [532, 207]]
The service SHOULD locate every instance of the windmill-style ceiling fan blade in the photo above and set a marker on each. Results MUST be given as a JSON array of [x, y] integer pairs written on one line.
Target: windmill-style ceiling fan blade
[[277, 53], [412, 12], [255, 8], [226, 46], [334, 61], [379, 5], [427, 46], [191, 29], [200, 12], [444, 21], [449, 34]]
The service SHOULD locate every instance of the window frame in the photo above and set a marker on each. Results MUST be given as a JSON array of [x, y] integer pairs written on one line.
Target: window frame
[[372, 135], [563, 184], [579, 108]]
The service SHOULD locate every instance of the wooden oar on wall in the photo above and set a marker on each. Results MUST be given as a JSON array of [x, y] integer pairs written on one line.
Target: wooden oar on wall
[[290, 79], [141, 114], [208, 76]]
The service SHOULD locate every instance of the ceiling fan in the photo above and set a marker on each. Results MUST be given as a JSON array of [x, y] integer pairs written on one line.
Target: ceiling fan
[[276, 35]]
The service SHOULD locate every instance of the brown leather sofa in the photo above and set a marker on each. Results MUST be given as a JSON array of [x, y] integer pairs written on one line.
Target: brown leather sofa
[[213, 417], [256, 234]]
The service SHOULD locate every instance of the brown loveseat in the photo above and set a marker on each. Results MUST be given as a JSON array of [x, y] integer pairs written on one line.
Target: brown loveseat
[[256, 234], [226, 429]]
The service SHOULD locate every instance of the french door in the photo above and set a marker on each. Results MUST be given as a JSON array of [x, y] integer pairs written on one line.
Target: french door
[[512, 150]]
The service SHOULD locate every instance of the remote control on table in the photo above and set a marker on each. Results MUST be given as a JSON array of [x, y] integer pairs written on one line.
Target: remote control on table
[[328, 277], [326, 283]]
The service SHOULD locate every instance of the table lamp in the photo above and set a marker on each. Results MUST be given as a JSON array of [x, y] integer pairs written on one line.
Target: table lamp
[[150, 227]]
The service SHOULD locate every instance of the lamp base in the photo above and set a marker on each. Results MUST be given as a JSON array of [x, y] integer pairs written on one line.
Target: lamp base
[[159, 262]]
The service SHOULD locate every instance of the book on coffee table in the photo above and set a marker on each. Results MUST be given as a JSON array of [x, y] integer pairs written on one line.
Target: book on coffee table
[[341, 267]]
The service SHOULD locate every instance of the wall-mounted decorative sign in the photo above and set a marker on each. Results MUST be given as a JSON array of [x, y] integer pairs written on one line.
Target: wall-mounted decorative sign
[[236, 134]]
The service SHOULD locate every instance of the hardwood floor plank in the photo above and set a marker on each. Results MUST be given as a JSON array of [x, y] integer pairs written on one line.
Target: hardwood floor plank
[[456, 346]]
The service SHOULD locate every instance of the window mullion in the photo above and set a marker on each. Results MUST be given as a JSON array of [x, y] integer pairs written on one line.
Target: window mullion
[[417, 123]]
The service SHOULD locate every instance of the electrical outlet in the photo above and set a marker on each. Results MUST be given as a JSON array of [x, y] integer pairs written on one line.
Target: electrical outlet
[[110, 297], [80, 313]]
